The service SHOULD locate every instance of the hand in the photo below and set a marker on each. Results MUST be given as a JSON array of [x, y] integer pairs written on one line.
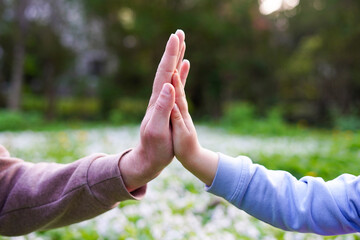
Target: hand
[[200, 161], [155, 150]]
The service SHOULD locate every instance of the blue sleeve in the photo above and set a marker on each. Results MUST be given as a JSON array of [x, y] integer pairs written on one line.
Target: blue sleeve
[[276, 197]]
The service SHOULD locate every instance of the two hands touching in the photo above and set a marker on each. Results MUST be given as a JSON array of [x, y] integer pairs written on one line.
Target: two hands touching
[[199, 161], [167, 128], [74, 192], [83, 189]]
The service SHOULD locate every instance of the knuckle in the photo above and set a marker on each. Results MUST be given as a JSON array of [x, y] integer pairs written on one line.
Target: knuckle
[[182, 93], [163, 70], [153, 134], [181, 96], [160, 107], [149, 107], [177, 117]]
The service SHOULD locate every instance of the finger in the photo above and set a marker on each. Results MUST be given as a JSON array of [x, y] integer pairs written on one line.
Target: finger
[[178, 124], [180, 98], [181, 55], [160, 117], [166, 67], [181, 35], [184, 71]]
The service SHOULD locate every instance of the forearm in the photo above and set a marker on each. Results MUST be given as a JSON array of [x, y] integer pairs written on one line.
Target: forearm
[[276, 197], [49, 195], [203, 164]]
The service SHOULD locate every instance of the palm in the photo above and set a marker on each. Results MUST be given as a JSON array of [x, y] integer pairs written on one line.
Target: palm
[[156, 137], [155, 150], [162, 151]]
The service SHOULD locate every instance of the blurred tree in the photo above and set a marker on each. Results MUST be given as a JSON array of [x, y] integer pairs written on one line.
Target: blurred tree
[[226, 41], [47, 60], [321, 73], [40, 57], [19, 31], [230, 51], [2, 52], [305, 59]]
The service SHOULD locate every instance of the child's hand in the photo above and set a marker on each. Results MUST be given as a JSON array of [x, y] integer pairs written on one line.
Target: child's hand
[[185, 139], [201, 162]]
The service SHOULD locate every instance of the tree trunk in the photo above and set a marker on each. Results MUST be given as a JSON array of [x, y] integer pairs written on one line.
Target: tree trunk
[[49, 70], [50, 91], [2, 84], [14, 93]]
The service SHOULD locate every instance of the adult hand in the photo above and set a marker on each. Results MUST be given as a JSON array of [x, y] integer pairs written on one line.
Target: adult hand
[[155, 150]]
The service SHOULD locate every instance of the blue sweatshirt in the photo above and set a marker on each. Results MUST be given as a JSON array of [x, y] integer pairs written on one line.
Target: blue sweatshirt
[[278, 198]]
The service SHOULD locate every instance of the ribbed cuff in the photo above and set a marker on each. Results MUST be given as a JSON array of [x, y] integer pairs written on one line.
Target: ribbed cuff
[[230, 179], [106, 183]]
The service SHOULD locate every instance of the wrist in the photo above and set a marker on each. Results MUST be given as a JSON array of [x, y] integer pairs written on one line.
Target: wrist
[[133, 170], [203, 165], [189, 159], [186, 154]]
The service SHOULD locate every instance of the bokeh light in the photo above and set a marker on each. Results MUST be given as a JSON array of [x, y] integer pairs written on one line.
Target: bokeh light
[[270, 6]]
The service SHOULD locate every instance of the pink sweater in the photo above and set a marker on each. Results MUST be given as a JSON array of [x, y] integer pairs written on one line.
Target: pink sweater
[[51, 195]]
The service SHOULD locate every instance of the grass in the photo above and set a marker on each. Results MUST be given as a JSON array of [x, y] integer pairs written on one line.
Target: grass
[[337, 153], [176, 206]]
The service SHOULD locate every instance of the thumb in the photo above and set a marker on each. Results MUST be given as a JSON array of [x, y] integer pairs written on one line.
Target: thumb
[[178, 124], [164, 104]]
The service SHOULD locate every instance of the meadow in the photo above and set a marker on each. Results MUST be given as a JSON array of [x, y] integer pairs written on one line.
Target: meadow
[[76, 76], [176, 205]]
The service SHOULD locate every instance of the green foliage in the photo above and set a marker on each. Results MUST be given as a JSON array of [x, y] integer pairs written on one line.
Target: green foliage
[[128, 110], [304, 59], [327, 162], [79, 108], [302, 63], [64, 147], [33, 103], [347, 122], [128, 203], [178, 203], [108, 93], [123, 111], [116, 117], [241, 117], [68, 233], [10, 121], [237, 113], [66, 108]]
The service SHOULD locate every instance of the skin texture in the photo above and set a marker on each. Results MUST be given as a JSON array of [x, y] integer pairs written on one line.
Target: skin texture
[[155, 149], [198, 160]]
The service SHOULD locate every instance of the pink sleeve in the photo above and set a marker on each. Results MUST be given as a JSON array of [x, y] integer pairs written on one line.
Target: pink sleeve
[[50, 195]]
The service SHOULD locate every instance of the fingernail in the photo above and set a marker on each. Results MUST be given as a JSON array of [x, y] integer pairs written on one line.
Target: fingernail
[[179, 30]]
